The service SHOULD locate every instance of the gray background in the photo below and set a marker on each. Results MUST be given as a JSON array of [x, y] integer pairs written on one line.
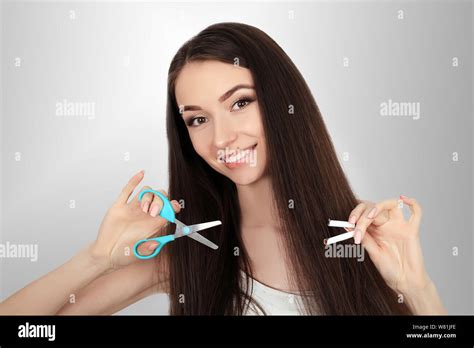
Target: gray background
[[82, 159]]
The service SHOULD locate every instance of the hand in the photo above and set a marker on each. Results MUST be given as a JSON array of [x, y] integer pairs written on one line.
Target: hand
[[126, 223], [393, 244]]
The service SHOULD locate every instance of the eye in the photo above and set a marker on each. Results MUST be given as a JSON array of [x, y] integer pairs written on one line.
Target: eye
[[247, 100], [196, 121]]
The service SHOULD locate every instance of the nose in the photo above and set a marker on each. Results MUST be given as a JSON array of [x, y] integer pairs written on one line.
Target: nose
[[224, 133]]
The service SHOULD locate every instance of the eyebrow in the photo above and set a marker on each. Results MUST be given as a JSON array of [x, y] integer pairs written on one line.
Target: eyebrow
[[221, 99]]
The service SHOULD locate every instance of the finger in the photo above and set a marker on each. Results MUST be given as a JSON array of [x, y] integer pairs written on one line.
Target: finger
[[150, 228], [157, 204], [357, 212], [393, 206], [148, 194], [176, 206], [378, 214], [159, 223], [369, 244], [147, 248], [146, 199], [131, 185], [379, 218], [174, 203], [362, 223], [415, 209]]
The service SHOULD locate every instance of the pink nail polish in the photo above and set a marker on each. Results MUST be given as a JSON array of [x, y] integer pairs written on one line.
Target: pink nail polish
[[146, 206], [154, 211], [357, 236], [372, 213]]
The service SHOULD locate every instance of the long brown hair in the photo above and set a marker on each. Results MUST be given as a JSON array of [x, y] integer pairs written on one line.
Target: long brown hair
[[305, 171]]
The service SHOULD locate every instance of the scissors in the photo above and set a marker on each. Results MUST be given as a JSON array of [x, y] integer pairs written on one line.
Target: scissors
[[182, 230]]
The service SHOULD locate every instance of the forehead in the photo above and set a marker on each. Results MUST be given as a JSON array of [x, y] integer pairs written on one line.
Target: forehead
[[202, 83]]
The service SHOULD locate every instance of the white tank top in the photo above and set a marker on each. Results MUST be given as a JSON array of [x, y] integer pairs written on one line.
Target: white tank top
[[273, 301]]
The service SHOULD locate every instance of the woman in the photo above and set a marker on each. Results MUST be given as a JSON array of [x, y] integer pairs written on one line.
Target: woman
[[247, 146]]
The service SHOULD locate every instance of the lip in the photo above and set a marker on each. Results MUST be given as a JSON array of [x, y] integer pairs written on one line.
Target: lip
[[238, 160]]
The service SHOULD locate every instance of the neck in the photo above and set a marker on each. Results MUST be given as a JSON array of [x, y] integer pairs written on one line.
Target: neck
[[257, 204], [261, 233]]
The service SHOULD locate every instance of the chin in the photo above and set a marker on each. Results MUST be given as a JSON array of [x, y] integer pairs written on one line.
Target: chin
[[243, 176]]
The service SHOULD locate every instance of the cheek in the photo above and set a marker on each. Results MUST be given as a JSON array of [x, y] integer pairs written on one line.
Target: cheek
[[255, 122], [201, 145], [256, 127]]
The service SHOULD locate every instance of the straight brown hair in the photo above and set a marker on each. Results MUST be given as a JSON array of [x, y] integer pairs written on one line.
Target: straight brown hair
[[304, 169]]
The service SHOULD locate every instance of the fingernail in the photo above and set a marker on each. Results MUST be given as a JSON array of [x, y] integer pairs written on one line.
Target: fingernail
[[146, 206], [352, 219], [357, 236], [405, 198], [372, 213], [152, 246], [154, 211]]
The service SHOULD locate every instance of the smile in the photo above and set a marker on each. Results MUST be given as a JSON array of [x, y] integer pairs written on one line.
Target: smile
[[233, 158], [237, 156]]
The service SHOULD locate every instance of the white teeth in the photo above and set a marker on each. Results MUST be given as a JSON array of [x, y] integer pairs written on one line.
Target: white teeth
[[237, 157]]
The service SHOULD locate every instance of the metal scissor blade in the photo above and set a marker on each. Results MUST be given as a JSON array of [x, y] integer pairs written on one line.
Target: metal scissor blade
[[203, 240], [199, 227], [190, 231], [203, 226]]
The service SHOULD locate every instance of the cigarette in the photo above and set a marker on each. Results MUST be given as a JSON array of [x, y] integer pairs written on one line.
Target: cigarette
[[338, 223], [339, 238]]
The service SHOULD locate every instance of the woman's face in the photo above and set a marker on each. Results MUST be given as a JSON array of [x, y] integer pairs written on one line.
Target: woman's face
[[220, 109]]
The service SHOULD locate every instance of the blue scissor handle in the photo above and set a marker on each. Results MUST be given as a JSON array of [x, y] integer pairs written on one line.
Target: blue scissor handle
[[161, 243], [167, 211]]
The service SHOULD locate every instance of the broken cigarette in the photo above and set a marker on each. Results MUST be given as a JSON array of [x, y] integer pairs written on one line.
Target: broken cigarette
[[340, 237], [338, 223]]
